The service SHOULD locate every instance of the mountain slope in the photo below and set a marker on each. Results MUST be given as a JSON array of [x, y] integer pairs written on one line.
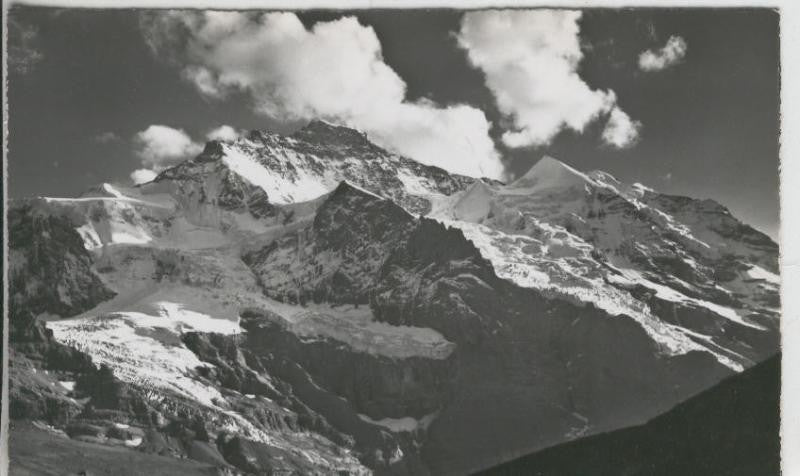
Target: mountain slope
[[732, 428], [690, 274]]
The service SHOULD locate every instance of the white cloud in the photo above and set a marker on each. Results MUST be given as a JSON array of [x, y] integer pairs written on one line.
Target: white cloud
[[670, 54], [223, 133], [530, 59], [334, 71], [621, 131], [161, 146], [140, 176]]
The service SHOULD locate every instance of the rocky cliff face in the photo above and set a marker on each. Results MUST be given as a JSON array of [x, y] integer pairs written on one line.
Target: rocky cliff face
[[585, 370], [336, 257], [49, 268], [279, 304]]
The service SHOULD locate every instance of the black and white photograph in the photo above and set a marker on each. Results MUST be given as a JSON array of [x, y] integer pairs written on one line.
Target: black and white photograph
[[384, 241]]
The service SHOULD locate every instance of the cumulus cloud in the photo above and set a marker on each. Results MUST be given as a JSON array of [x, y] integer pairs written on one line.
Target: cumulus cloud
[[223, 133], [161, 146], [333, 71], [141, 176], [670, 54], [621, 131], [530, 59]]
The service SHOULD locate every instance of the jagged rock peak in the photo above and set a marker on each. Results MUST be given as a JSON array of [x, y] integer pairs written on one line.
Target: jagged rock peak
[[325, 132], [357, 200]]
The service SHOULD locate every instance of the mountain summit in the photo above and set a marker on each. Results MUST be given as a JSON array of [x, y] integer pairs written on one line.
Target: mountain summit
[[315, 304], [550, 173]]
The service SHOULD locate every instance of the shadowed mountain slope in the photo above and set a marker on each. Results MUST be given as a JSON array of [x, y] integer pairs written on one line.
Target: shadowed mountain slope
[[730, 429]]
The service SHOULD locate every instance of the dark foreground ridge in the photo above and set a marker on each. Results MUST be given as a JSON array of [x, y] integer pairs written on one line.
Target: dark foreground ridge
[[731, 429]]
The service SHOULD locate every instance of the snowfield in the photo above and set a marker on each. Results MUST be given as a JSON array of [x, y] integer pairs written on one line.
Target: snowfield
[[280, 189], [356, 327], [146, 349], [757, 272]]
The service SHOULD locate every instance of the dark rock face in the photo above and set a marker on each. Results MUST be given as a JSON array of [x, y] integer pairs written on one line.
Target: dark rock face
[[380, 387], [206, 181], [332, 136], [324, 387], [719, 219], [704, 435], [434, 281], [586, 371], [49, 268], [336, 258]]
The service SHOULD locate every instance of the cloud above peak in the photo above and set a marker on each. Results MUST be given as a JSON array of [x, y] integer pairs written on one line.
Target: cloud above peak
[[530, 59], [162, 146], [223, 133], [159, 147], [621, 131], [140, 176], [333, 71], [670, 54]]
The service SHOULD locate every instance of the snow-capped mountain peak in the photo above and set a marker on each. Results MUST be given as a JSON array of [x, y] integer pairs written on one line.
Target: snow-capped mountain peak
[[313, 161], [550, 173]]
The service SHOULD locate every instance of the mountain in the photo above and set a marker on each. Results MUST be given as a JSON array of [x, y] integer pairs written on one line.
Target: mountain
[[313, 303], [732, 428], [686, 270]]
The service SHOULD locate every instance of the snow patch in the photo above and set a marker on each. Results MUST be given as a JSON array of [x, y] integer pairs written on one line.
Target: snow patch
[[474, 204], [757, 272], [280, 190], [399, 425], [146, 349], [356, 327], [112, 191]]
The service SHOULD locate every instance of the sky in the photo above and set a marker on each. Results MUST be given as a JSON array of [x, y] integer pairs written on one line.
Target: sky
[[683, 101]]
